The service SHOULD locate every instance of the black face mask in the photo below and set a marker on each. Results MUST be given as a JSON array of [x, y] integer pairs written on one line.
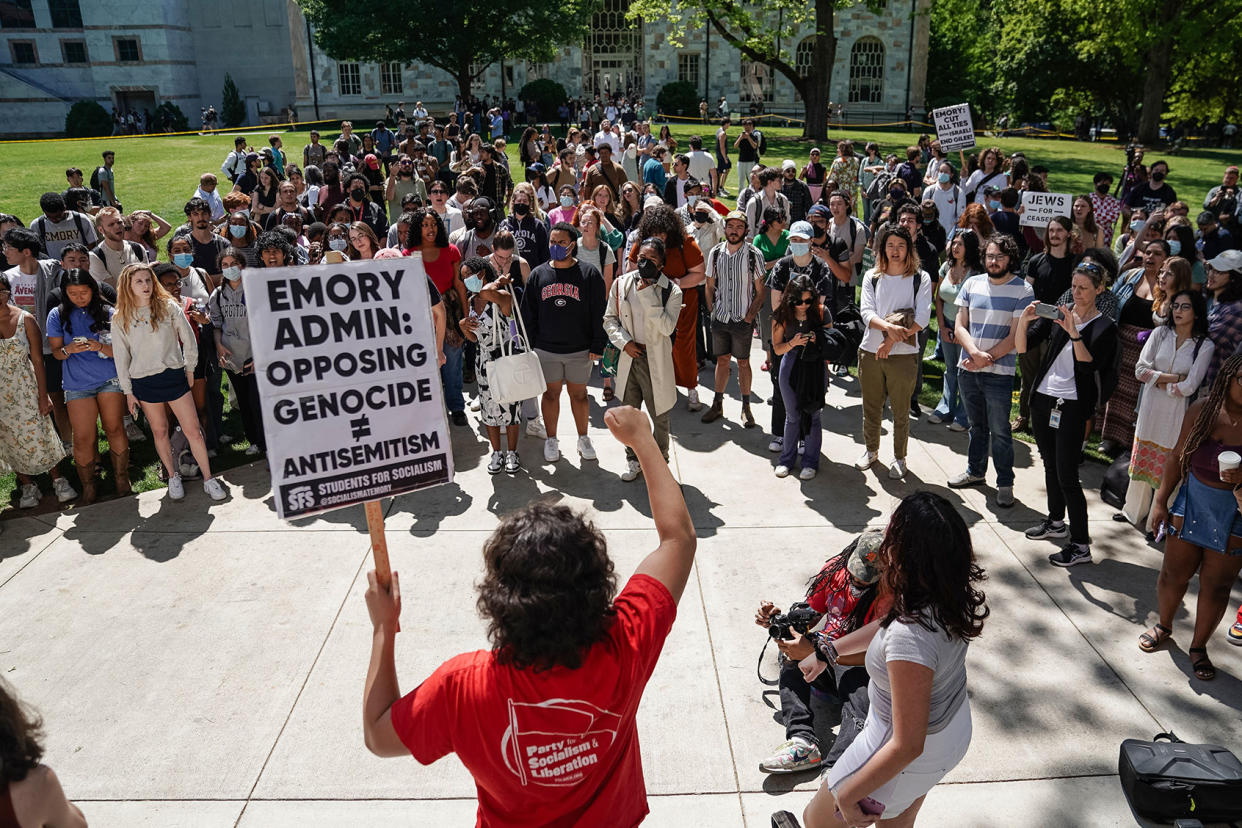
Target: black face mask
[[1102, 189], [521, 209], [819, 232], [1157, 177], [703, 218], [357, 194], [648, 270]]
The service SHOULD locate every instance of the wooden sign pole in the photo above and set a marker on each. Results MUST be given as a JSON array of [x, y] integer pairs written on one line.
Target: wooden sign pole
[[379, 544]]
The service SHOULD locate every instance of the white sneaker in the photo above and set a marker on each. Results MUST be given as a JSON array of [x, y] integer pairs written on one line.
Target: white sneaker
[[807, 473], [513, 463], [176, 489], [802, 447], [692, 400], [535, 428], [782, 471], [897, 469], [865, 462], [213, 489], [30, 496], [585, 450], [632, 471], [496, 464], [777, 444], [475, 405], [252, 450], [64, 492], [551, 450]]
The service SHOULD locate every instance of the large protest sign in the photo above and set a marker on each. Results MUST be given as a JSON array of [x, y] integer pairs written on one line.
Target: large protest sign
[[955, 130], [349, 382], [1037, 208]]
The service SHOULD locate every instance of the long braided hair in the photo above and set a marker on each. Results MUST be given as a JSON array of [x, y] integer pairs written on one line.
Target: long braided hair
[[1211, 409]]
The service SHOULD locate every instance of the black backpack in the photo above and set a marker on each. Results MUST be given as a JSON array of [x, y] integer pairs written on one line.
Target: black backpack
[[95, 178], [1166, 779], [1116, 481]]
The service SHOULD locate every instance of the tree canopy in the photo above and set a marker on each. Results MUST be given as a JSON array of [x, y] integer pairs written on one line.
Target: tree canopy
[[448, 34]]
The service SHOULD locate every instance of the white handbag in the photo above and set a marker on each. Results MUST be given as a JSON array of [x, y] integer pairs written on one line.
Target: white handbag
[[514, 377]]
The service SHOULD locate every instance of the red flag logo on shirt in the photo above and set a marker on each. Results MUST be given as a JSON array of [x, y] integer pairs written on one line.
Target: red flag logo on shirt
[[556, 741]]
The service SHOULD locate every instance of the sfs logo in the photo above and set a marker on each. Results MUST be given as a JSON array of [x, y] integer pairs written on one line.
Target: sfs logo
[[299, 499]]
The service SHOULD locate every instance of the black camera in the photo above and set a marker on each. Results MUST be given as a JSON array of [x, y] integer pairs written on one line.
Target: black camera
[[799, 619]]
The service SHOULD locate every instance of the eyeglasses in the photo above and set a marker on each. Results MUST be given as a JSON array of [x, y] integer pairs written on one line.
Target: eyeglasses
[[995, 257], [1181, 306]]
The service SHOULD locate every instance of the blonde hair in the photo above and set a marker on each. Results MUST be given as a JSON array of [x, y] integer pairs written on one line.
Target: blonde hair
[[106, 212], [1180, 278], [126, 304], [529, 189]]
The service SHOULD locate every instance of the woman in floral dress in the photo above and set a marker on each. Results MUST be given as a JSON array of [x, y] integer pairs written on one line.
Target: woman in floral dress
[[29, 444], [490, 324]]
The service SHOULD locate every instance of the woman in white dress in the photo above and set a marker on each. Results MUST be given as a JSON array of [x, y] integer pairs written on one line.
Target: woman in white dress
[[1171, 368]]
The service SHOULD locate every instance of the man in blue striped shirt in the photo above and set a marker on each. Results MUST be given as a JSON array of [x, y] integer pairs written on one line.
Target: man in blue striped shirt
[[987, 308]]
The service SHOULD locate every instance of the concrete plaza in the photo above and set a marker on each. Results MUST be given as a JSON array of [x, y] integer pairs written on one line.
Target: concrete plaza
[[202, 664]]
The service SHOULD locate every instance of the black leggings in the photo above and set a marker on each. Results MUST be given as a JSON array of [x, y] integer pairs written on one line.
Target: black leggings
[[1061, 448]]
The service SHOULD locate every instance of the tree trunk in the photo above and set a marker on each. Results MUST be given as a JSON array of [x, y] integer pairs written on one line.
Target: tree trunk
[[815, 89], [464, 78], [1156, 82]]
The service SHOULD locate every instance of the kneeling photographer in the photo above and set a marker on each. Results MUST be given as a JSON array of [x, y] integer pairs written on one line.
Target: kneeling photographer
[[843, 595]]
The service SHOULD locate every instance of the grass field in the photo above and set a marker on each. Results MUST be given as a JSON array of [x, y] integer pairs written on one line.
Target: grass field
[[160, 174]]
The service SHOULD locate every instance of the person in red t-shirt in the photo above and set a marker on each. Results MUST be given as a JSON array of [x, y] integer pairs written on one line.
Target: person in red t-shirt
[[545, 719], [844, 595]]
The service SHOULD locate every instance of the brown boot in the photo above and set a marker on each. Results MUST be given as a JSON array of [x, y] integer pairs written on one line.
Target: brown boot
[[120, 472], [715, 412], [86, 474], [748, 419]]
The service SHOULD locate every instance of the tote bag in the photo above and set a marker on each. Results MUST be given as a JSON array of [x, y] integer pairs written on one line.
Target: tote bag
[[514, 377]]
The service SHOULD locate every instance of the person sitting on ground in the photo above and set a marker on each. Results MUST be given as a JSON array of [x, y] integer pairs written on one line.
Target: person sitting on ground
[[30, 792], [844, 594], [568, 661]]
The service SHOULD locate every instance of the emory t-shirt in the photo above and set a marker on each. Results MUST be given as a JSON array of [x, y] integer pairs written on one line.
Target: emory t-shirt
[[551, 748]]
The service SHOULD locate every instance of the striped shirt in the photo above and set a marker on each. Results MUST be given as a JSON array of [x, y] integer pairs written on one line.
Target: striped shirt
[[992, 309], [735, 275]]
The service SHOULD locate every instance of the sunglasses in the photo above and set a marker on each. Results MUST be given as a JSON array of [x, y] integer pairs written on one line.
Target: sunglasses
[[803, 301]]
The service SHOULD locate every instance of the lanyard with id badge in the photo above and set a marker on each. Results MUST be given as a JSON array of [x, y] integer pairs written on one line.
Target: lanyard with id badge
[[1054, 416]]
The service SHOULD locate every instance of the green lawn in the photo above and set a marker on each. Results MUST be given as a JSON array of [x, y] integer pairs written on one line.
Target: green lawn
[[160, 174]]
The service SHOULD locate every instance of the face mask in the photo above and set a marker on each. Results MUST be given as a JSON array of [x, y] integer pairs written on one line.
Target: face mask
[[1102, 189], [567, 201], [1136, 226], [943, 178], [520, 209], [356, 194], [648, 270], [474, 284], [1175, 247], [237, 231], [558, 252], [702, 218], [337, 244], [927, 220], [232, 273], [183, 259], [819, 232], [800, 248], [691, 201], [896, 194], [993, 205], [1157, 177]]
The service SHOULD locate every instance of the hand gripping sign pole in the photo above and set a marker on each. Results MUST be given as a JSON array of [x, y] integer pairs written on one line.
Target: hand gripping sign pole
[[349, 384]]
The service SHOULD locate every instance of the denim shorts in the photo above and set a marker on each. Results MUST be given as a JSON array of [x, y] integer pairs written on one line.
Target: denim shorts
[[112, 386]]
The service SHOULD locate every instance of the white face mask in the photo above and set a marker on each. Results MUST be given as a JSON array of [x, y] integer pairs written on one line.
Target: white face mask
[[233, 273]]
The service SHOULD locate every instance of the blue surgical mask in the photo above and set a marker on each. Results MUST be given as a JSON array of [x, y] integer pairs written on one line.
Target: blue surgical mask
[[1136, 226], [473, 284], [800, 248], [993, 205], [183, 259], [233, 273], [237, 231], [558, 252], [1175, 247], [337, 243], [567, 201], [944, 178]]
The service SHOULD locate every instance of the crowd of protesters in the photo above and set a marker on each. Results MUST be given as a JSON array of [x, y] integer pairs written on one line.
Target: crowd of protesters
[[611, 245]]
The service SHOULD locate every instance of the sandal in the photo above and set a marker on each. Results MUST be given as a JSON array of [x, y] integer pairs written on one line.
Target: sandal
[[1204, 669], [1153, 638]]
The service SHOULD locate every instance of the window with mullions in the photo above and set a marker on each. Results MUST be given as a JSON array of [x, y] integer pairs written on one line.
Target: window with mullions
[[867, 71], [350, 77]]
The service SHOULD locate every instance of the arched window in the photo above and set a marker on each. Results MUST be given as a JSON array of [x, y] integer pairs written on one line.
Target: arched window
[[867, 71], [803, 56]]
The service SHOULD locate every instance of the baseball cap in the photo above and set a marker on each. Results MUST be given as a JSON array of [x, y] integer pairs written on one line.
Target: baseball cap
[[802, 229], [535, 168], [371, 161], [737, 215], [814, 150], [864, 559], [789, 164], [991, 189], [1229, 260], [652, 201], [1206, 217], [818, 210]]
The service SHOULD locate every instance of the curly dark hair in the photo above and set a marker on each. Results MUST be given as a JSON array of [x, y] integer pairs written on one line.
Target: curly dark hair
[[274, 240], [930, 568], [661, 220], [547, 593], [20, 733], [416, 226], [1008, 247]]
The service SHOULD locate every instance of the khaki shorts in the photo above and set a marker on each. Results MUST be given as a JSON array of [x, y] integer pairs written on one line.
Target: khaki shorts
[[574, 368]]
